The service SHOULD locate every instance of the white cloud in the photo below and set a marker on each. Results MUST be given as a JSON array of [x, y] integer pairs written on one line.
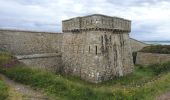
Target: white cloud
[[150, 18]]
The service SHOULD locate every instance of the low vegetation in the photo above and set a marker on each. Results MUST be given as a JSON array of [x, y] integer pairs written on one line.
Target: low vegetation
[[145, 83], [160, 68], [3, 86], [164, 49], [3, 90]]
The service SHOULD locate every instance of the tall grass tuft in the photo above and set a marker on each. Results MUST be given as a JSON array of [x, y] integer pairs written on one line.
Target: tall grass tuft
[[3, 90]]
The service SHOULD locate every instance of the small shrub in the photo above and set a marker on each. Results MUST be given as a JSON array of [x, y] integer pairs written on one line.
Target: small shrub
[[7, 61], [160, 68]]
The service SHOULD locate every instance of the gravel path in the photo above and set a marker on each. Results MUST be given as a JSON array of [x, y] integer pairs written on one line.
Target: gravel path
[[25, 92]]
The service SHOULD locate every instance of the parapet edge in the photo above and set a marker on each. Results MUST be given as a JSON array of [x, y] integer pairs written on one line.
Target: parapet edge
[[29, 31]]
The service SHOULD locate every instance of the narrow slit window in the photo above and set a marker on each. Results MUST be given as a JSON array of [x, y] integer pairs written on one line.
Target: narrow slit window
[[102, 39], [89, 49], [96, 50], [110, 38]]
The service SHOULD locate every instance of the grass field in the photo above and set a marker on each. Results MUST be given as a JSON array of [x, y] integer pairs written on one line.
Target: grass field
[[145, 83]]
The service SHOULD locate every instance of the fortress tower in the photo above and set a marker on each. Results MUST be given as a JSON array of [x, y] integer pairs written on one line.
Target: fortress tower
[[96, 47]]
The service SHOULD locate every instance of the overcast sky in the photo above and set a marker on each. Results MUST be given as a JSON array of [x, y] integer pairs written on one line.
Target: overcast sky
[[150, 18]]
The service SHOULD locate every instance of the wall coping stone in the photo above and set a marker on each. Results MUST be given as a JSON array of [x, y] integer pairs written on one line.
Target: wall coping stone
[[96, 22], [139, 41], [28, 31], [96, 15], [34, 56]]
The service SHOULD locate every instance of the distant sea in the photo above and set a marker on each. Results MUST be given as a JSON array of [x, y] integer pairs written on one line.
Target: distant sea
[[158, 42]]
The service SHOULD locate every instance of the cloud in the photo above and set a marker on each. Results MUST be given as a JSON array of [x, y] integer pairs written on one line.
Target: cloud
[[150, 18]]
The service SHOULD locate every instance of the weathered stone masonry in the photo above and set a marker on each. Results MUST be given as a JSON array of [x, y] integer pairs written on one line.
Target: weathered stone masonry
[[29, 42], [35, 49], [146, 59], [97, 47]]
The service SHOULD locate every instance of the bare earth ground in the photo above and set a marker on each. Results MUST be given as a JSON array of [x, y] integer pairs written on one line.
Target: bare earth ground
[[165, 96], [22, 92]]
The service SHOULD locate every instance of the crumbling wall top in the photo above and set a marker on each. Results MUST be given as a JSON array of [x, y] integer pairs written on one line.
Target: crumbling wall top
[[96, 22]]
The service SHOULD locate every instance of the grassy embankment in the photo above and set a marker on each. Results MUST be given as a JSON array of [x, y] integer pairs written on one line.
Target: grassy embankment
[[145, 83], [3, 90], [3, 86]]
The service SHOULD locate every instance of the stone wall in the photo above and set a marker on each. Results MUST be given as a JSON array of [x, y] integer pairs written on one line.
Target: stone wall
[[28, 42], [137, 45], [47, 61], [97, 52], [35, 49], [151, 58]]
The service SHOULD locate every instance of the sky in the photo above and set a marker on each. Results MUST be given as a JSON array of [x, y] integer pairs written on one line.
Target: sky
[[150, 18]]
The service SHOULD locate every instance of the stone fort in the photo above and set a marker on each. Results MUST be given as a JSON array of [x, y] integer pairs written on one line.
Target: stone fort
[[94, 47]]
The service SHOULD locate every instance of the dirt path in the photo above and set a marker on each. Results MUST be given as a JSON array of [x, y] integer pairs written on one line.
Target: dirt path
[[165, 96], [22, 92]]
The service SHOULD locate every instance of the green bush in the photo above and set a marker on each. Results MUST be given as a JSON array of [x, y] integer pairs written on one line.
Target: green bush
[[8, 61], [164, 49], [4, 58], [160, 68]]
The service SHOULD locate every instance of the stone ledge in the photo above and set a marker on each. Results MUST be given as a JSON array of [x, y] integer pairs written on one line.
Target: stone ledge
[[34, 56], [97, 29], [96, 21], [28, 31]]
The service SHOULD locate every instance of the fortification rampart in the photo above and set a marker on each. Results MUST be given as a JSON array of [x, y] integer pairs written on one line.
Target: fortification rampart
[[95, 48], [28, 42], [47, 61], [143, 58], [137, 45]]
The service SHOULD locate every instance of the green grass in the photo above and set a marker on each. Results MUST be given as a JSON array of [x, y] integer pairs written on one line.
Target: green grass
[[3, 90], [4, 58], [145, 83]]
